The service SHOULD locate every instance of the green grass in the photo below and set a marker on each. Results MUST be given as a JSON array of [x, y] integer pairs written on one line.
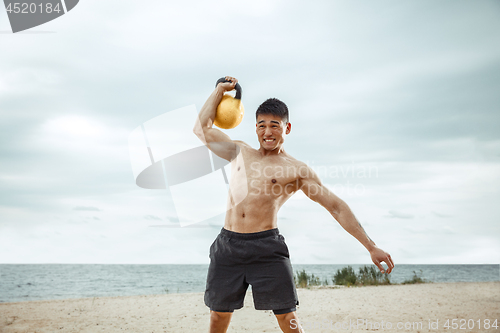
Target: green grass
[[304, 280], [366, 276], [371, 276], [415, 279], [345, 277]]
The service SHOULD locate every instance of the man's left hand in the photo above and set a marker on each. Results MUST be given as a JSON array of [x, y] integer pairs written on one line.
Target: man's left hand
[[379, 256]]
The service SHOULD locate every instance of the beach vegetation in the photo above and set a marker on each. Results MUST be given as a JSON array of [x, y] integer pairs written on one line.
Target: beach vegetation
[[367, 276], [345, 277], [304, 280], [415, 279], [371, 276]]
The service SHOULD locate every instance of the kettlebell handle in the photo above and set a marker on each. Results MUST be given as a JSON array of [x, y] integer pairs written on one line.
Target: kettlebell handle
[[237, 87]]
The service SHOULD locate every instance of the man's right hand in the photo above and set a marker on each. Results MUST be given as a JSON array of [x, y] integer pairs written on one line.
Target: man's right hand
[[216, 140], [228, 86]]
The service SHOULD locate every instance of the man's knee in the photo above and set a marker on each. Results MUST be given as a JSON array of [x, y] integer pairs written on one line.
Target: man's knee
[[219, 321], [220, 316], [287, 317]]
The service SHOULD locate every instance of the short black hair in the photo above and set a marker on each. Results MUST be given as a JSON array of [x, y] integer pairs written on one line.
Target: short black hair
[[275, 107]]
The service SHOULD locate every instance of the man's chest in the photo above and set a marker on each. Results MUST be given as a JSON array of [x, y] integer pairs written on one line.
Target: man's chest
[[268, 170]]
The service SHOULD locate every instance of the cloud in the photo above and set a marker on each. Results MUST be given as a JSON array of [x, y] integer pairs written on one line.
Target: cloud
[[398, 215], [445, 216], [94, 209], [367, 85], [152, 217]]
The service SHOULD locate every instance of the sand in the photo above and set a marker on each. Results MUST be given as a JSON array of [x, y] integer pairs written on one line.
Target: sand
[[414, 308]]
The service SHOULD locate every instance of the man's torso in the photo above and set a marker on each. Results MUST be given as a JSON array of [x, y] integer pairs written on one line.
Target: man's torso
[[260, 185]]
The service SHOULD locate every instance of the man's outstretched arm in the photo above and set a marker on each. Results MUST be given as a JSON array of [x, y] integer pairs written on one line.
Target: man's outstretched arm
[[312, 187], [213, 138]]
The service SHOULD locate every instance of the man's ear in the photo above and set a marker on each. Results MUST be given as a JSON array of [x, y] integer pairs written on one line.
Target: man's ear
[[288, 128]]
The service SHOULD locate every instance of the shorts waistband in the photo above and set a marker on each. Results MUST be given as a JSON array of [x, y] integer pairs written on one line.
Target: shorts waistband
[[251, 235]]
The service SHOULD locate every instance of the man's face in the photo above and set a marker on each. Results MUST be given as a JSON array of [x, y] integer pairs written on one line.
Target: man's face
[[271, 131]]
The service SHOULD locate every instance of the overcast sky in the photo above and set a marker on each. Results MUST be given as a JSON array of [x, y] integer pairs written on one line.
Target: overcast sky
[[408, 90]]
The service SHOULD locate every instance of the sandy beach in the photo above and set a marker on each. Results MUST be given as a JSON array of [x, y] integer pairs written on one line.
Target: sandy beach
[[397, 308]]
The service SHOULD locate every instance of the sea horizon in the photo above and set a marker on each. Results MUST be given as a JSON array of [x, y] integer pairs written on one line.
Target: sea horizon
[[28, 282]]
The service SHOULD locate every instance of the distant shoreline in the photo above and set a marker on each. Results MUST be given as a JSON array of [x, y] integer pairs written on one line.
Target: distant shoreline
[[310, 288], [61, 281]]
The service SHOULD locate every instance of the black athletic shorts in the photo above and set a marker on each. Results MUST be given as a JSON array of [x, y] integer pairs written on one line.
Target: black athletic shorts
[[260, 259]]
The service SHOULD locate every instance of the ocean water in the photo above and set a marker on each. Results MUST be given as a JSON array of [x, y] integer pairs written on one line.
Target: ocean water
[[26, 282]]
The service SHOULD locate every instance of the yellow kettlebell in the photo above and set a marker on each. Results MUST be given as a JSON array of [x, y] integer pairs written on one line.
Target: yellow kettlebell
[[230, 110]]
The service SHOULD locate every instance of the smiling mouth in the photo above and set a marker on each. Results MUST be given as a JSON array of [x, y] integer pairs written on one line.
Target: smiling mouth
[[268, 140]]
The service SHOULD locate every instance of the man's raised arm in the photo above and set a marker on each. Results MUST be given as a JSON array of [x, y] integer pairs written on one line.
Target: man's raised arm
[[312, 187], [213, 138]]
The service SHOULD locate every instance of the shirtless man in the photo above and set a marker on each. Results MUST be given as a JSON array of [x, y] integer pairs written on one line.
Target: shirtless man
[[249, 249]]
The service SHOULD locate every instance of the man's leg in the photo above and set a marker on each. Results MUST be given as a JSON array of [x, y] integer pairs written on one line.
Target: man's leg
[[219, 321], [289, 322]]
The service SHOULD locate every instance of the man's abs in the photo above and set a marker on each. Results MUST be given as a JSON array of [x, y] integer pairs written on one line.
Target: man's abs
[[246, 218]]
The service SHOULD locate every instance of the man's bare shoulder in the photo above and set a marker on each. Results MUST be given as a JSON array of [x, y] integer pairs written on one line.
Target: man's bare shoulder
[[245, 146], [304, 171], [297, 163], [242, 143]]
